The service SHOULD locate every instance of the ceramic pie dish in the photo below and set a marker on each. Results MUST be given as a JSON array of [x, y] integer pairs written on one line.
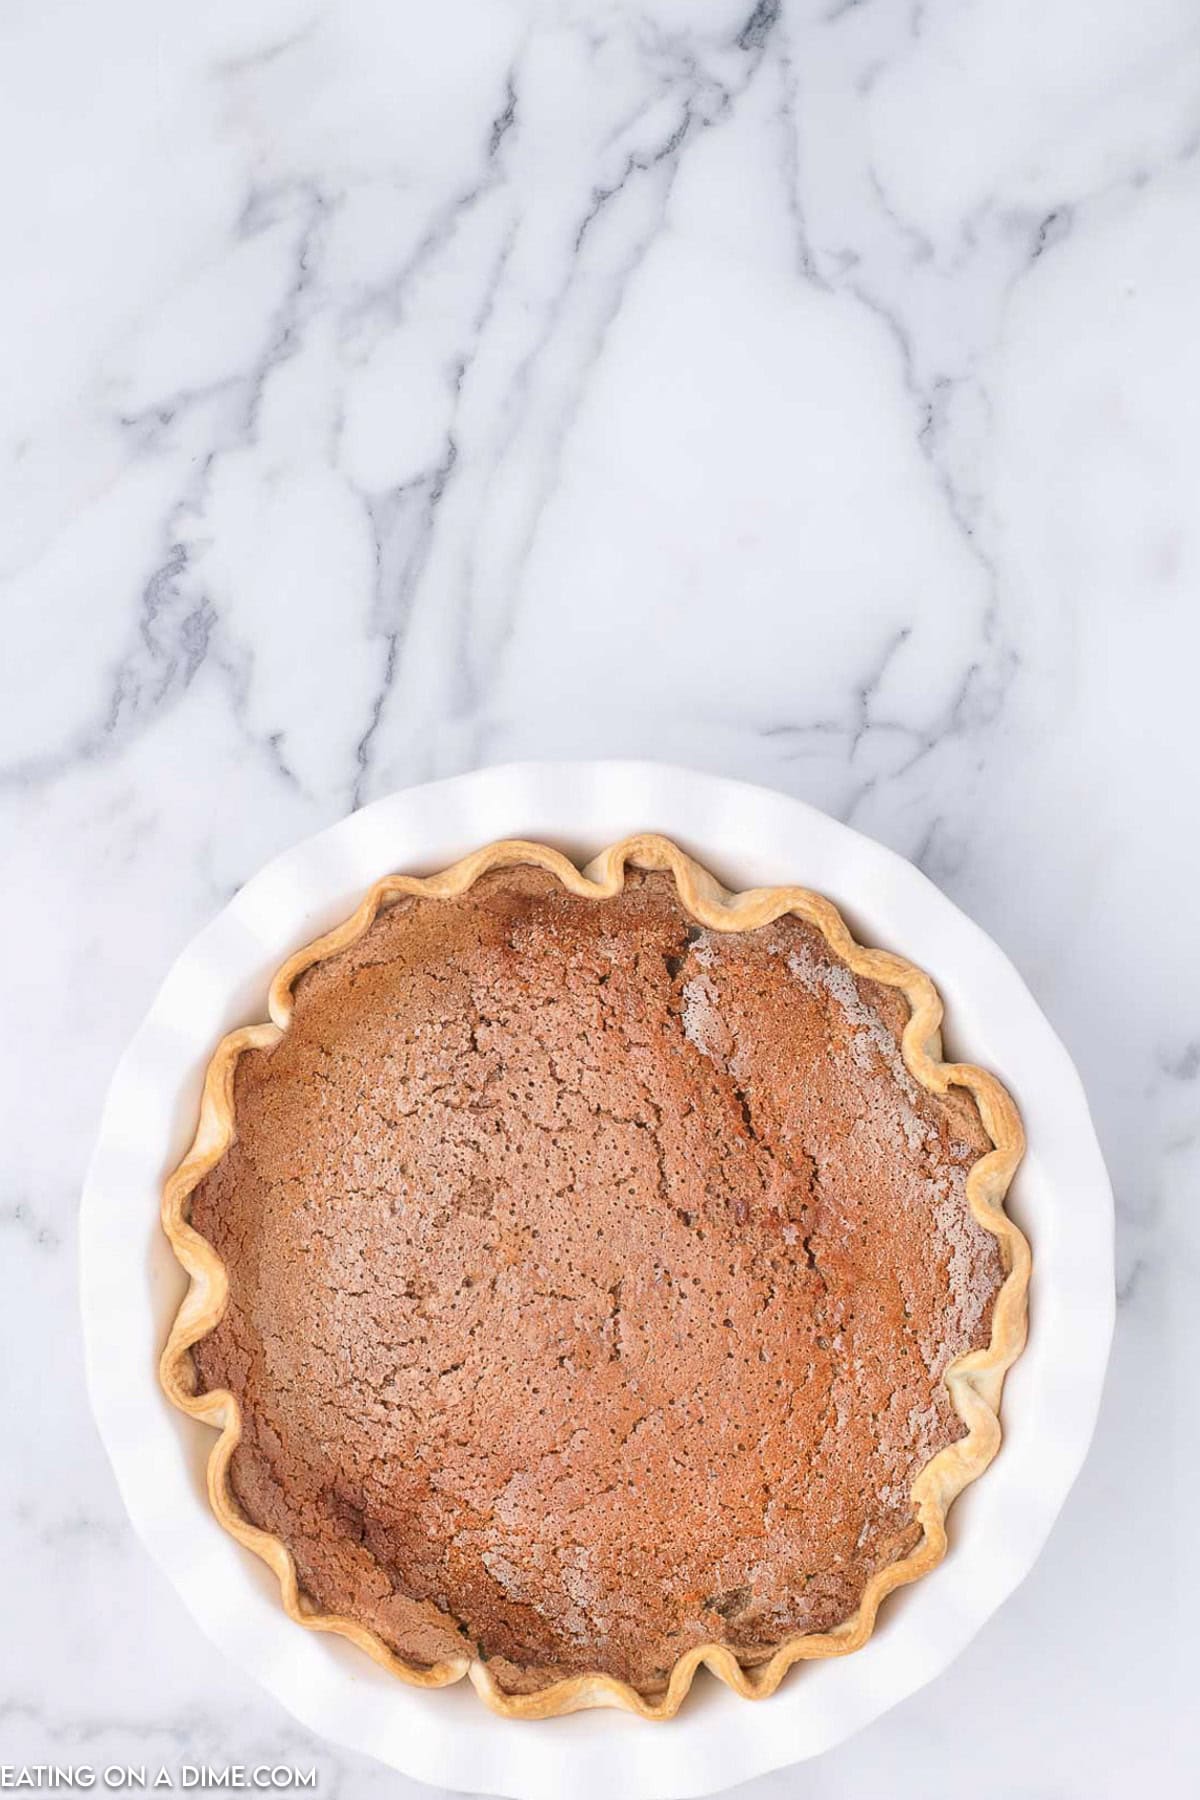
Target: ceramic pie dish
[[131, 1286], [595, 1274]]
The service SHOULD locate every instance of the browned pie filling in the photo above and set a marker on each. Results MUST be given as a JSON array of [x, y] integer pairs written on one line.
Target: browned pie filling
[[592, 1277]]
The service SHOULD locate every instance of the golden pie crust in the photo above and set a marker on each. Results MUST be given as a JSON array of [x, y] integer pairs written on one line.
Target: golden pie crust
[[974, 1380]]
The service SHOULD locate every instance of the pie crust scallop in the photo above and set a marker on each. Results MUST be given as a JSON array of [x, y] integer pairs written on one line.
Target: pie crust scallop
[[974, 1380]]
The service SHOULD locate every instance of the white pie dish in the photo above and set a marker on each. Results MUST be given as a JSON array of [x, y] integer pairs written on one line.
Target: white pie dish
[[748, 836]]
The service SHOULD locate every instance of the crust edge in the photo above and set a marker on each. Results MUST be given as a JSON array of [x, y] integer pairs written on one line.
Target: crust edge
[[975, 1381]]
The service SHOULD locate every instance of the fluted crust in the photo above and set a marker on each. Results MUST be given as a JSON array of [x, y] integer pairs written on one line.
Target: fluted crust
[[974, 1381]]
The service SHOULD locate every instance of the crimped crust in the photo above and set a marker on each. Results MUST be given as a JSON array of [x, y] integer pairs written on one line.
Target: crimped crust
[[974, 1381]]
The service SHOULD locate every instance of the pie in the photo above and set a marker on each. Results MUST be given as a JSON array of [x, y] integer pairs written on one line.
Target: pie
[[593, 1275]]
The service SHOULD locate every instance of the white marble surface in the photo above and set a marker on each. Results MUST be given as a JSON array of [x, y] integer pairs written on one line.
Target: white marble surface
[[809, 394]]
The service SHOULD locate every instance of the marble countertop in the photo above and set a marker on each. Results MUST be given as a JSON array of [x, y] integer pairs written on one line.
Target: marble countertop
[[804, 392]]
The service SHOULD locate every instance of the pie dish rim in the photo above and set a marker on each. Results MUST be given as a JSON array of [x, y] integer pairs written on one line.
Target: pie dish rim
[[975, 1380]]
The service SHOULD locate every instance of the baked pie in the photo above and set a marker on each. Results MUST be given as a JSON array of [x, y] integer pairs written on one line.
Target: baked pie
[[593, 1275]]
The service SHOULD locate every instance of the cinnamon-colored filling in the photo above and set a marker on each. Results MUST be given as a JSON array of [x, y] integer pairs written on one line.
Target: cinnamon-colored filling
[[592, 1279]]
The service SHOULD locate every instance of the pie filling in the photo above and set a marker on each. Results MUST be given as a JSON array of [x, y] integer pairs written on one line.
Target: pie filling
[[592, 1280]]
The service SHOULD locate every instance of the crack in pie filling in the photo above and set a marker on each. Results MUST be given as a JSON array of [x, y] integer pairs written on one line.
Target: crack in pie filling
[[593, 1278]]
